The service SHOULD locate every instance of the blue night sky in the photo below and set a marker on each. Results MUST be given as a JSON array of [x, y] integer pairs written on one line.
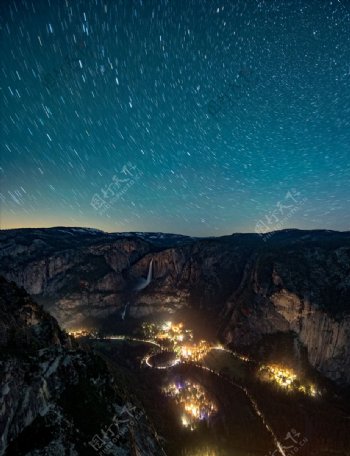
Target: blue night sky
[[191, 116]]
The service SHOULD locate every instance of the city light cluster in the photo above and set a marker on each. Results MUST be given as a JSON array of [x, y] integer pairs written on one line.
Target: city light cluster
[[174, 336], [193, 352], [76, 333], [173, 333], [286, 379], [193, 401]]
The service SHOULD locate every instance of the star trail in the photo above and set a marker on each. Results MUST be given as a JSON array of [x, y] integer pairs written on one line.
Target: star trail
[[197, 117]]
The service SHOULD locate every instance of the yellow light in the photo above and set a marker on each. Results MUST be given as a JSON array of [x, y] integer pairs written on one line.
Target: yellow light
[[184, 421], [285, 378], [313, 391], [194, 402]]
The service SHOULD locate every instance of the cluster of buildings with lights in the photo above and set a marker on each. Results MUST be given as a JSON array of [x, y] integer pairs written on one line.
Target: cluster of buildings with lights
[[76, 333], [193, 352], [167, 333], [286, 379], [174, 336], [194, 403]]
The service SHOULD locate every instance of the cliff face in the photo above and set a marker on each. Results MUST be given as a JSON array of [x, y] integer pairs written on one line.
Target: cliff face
[[303, 288], [82, 273], [54, 399], [296, 281]]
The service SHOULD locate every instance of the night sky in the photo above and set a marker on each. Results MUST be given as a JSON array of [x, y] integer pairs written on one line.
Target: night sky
[[190, 116]]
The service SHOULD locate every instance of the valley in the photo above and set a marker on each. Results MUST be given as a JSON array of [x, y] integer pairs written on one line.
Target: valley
[[227, 346], [214, 397]]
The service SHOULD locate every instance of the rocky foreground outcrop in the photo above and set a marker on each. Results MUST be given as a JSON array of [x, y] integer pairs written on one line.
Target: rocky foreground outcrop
[[56, 399], [292, 281]]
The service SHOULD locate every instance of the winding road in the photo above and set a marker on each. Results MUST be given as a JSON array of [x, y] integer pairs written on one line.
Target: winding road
[[253, 402]]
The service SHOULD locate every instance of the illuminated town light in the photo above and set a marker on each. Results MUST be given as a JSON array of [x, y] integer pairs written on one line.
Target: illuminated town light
[[286, 379], [184, 421], [81, 332], [166, 326], [193, 352], [194, 402]]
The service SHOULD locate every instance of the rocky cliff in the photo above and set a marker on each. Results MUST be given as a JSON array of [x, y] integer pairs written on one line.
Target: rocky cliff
[[300, 287], [77, 273], [293, 281], [56, 399]]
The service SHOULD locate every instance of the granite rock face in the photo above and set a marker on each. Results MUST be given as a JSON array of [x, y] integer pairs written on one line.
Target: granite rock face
[[56, 398], [302, 288], [294, 281]]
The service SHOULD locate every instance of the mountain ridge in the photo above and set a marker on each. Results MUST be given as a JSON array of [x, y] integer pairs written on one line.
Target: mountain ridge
[[297, 280]]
